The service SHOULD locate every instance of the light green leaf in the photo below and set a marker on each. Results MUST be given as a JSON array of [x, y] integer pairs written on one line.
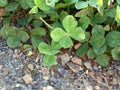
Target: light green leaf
[[78, 34], [69, 23], [100, 50], [66, 42], [49, 60], [3, 3], [57, 34], [22, 36], [110, 12], [11, 6], [55, 45], [51, 3], [97, 40], [81, 5], [46, 49], [117, 17], [13, 42], [116, 53], [82, 50], [91, 53], [33, 10], [118, 1], [113, 39], [103, 59]]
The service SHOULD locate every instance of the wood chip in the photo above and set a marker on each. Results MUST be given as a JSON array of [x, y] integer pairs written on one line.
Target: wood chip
[[77, 61], [27, 79], [64, 58], [75, 68], [88, 65], [77, 45]]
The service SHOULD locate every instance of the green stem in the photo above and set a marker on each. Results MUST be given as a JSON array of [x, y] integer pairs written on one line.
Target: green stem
[[46, 23]]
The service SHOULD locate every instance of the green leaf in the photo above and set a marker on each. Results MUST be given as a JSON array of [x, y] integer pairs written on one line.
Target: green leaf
[[27, 46], [35, 40], [42, 5], [13, 42], [77, 34], [49, 60], [62, 15], [3, 3], [38, 31], [57, 34], [69, 23], [82, 50], [55, 45], [87, 37], [84, 22], [33, 10], [66, 42], [110, 12], [81, 5], [22, 36], [12, 6], [51, 3], [46, 49], [7, 31], [97, 40], [100, 50], [98, 29], [113, 39], [103, 59], [91, 53], [22, 21], [116, 53], [70, 1], [118, 1], [36, 23]]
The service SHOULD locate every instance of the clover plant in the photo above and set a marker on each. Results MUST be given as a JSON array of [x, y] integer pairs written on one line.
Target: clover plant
[[50, 25]]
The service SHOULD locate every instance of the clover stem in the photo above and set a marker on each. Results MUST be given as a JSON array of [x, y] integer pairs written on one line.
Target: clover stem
[[46, 23]]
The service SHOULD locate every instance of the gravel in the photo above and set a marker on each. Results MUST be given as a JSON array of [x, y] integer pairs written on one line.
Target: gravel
[[15, 65]]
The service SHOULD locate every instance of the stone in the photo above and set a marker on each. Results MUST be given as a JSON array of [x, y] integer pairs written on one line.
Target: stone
[[77, 61], [48, 88], [88, 65], [1, 66], [64, 58], [46, 78], [31, 67], [75, 68], [97, 87], [27, 79]]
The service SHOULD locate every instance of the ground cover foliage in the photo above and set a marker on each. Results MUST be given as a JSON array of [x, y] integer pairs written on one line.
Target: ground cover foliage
[[51, 25]]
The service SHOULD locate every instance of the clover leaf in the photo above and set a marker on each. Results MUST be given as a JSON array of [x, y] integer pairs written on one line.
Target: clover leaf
[[71, 31]]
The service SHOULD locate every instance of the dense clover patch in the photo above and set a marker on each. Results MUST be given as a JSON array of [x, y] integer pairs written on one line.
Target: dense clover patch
[[50, 25]]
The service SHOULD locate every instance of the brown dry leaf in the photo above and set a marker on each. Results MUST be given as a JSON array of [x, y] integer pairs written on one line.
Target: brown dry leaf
[[2, 12], [76, 46]]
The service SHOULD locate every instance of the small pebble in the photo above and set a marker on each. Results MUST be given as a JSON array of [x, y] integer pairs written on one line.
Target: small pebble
[[1, 66], [97, 87], [30, 66], [46, 78], [27, 78], [48, 88]]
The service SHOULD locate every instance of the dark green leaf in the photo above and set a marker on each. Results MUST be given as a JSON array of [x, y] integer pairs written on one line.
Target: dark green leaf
[[97, 40], [113, 39], [91, 53], [81, 5], [11, 6], [82, 50], [103, 59], [116, 53], [38, 31], [98, 29]]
